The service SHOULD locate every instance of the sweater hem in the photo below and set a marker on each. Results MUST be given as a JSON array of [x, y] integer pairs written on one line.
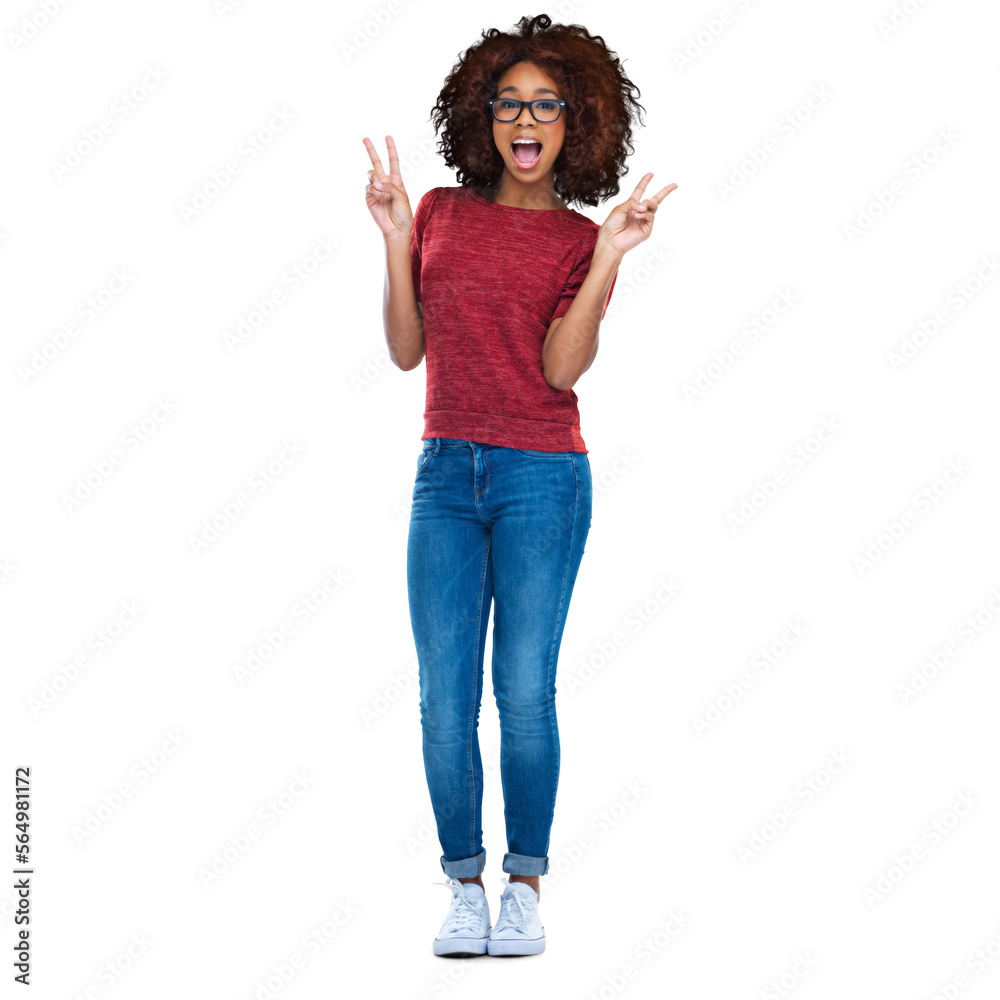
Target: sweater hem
[[503, 430]]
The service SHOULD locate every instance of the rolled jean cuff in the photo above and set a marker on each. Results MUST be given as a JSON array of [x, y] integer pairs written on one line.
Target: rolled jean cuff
[[522, 864], [464, 867]]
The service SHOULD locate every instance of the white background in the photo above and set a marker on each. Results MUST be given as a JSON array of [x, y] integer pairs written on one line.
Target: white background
[[161, 710]]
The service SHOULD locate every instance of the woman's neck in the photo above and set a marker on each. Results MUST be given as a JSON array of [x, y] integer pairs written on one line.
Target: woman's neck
[[539, 195]]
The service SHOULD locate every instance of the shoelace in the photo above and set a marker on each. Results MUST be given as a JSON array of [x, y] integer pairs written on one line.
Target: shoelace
[[508, 917], [465, 914]]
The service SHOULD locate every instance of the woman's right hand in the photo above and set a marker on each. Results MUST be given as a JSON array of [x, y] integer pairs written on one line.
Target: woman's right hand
[[385, 194]]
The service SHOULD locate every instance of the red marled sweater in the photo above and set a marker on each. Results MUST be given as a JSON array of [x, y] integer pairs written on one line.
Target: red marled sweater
[[491, 278]]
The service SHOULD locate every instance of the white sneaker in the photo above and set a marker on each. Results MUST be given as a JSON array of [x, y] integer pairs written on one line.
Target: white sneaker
[[466, 929], [518, 930]]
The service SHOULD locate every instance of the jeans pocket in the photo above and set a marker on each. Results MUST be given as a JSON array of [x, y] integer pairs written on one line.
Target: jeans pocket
[[425, 459]]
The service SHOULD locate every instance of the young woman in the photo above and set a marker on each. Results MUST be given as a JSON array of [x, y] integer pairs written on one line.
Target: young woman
[[504, 287]]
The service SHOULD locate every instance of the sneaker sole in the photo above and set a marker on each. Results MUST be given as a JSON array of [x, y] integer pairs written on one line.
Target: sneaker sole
[[460, 946], [503, 947]]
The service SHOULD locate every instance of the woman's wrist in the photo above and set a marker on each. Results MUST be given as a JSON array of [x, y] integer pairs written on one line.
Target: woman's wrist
[[399, 236], [603, 250]]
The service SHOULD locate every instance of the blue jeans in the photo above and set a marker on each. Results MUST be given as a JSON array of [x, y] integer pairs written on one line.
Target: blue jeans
[[506, 525]]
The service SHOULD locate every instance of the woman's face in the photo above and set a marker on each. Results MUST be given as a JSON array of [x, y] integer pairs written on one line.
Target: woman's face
[[531, 165]]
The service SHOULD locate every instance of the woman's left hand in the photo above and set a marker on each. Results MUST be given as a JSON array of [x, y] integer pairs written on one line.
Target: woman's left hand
[[631, 222]]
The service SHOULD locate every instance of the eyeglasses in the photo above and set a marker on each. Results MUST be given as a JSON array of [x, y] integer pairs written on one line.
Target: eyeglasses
[[508, 109]]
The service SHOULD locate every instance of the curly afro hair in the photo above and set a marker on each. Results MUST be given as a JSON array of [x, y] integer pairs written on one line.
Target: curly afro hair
[[600, 99]]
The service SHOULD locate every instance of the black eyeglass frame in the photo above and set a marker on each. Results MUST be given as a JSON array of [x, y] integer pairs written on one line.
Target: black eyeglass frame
[[530, 106]]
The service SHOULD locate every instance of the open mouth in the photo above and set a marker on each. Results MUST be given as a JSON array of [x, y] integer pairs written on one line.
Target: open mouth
[[526, 154]]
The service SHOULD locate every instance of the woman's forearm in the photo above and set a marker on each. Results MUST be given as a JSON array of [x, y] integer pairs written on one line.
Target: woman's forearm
[[403, 322], [572, 346]]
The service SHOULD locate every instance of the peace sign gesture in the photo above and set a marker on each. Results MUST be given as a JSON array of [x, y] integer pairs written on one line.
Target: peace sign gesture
[[631, 222], [386, 197]]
